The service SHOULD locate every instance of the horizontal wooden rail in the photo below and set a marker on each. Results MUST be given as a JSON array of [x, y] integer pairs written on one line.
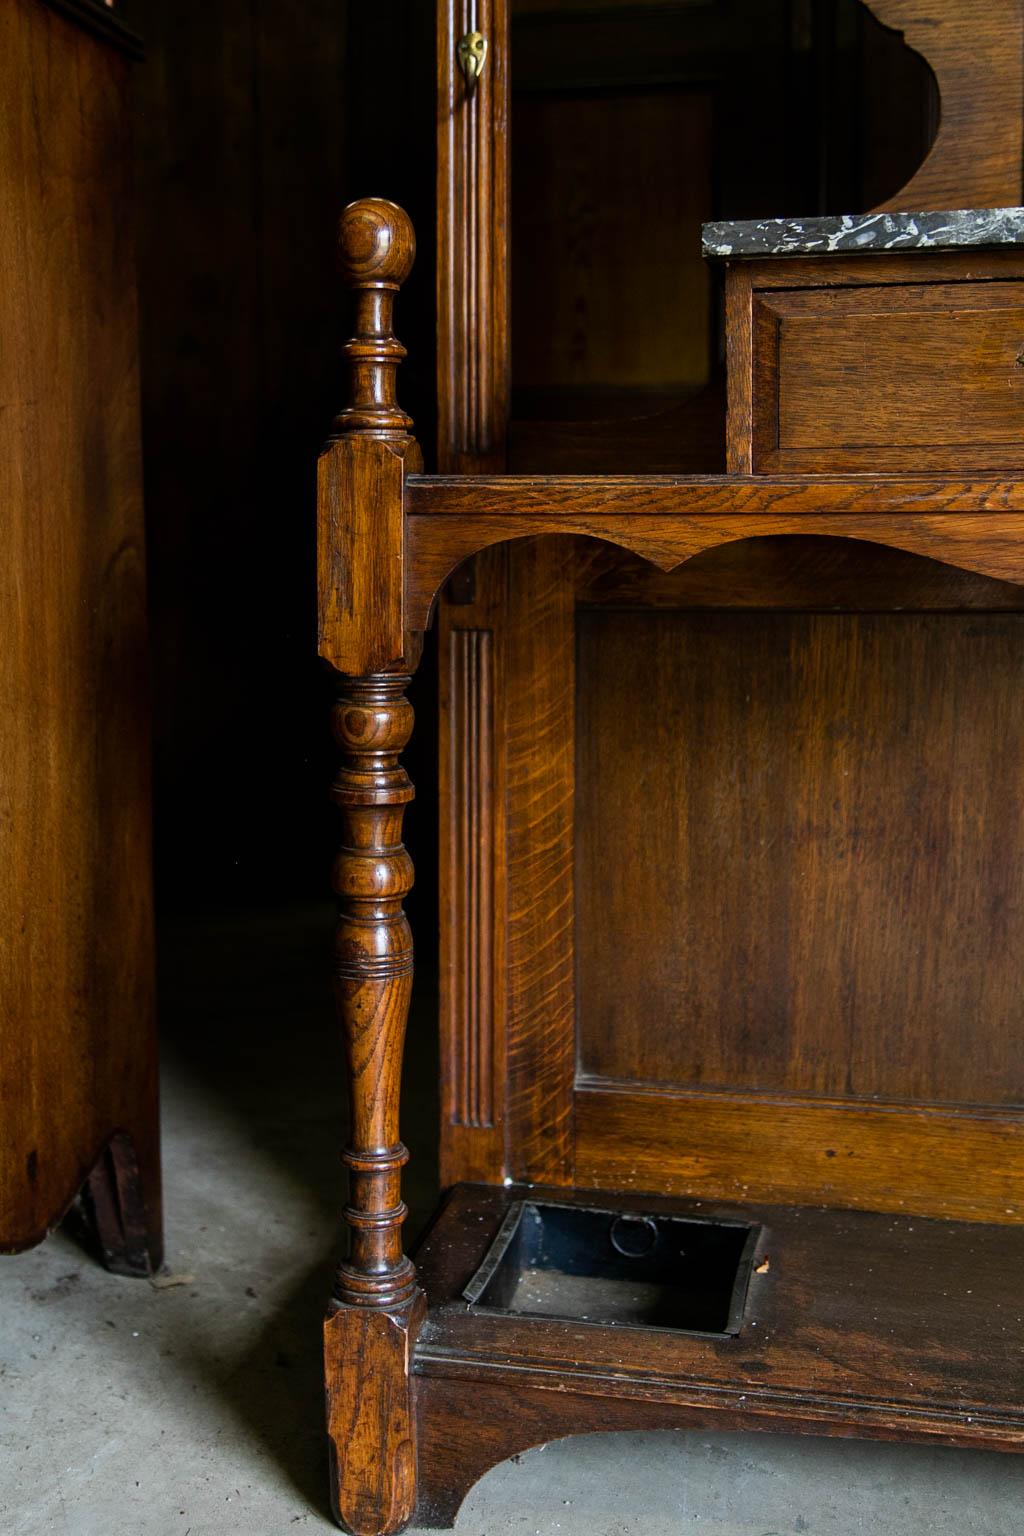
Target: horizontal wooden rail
[[561, 496], [666, 519]]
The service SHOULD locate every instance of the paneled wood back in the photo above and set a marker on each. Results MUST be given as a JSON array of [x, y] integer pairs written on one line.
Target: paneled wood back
[[752, 872]]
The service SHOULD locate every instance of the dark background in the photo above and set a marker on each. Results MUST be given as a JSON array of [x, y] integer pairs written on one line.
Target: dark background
[[256, 121]]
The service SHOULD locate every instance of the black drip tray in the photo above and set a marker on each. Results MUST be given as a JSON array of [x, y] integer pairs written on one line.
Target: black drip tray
[[627, 1268]]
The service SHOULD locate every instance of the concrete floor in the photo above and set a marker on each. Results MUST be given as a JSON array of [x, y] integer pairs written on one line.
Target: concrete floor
[[194, 1408]]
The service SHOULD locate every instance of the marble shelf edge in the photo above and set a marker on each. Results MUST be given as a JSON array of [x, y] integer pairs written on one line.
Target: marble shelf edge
[[823, 235]]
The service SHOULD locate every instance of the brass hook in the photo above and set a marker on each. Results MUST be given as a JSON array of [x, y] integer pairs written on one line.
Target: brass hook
[[472, 52]]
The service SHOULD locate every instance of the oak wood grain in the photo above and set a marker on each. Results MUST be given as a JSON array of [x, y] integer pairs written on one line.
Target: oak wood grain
[[874, 1326], [843, 362], [915, 1045], [376, 1309], [977, 52], [373, 874], [78, 1057], [628, 513], [863, 1322], [837, 801], [371, 1430], [512, 1416], [899, 1157], [360, 475], [360, 552], [808, 572], [862, 378], [888, 1314], [479, 496], [540, 732]]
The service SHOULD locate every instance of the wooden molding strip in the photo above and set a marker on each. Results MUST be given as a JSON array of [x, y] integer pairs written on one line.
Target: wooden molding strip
[[471, 746], [565, 496], [977, 528], [867, 1157], [472, 241]]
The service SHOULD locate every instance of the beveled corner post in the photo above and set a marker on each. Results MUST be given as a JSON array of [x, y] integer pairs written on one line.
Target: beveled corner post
[[377, 1308]]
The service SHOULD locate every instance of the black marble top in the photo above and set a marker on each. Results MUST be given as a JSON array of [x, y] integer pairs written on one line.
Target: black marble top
[[865, 232]]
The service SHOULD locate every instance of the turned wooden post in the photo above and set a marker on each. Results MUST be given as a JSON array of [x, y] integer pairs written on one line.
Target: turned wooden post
[[377, 1309]]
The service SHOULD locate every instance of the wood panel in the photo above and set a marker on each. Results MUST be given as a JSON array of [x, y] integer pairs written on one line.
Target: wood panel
[[540, 713], [836, 804], [78, 1057], [688, 439], [586, 327], [360, 532], [975, 161], [917, 312], [896, 1157], [862, 378]]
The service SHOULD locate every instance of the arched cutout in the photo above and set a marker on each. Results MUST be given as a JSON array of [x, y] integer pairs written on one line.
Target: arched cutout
[[797, 571], [991, 546]]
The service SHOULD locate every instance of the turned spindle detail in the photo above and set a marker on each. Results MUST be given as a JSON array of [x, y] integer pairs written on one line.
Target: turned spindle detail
[[377, 1308], [373, 978], [376, 248]]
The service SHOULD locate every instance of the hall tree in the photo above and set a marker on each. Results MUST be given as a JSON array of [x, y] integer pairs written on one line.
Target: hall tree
[[730, 810]]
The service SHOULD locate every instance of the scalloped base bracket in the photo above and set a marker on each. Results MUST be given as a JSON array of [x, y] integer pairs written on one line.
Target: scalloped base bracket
[[371, 1421]]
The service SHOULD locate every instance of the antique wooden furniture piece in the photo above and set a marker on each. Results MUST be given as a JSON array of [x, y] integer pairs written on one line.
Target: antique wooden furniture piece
[[732, 853], [78, 1084]]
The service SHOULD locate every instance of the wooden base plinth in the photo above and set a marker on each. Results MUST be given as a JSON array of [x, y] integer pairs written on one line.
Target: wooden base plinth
[[857, 1324], [371, 1425]]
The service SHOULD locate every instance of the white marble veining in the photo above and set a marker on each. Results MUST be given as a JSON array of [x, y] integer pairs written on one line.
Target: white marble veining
[[865, 232]]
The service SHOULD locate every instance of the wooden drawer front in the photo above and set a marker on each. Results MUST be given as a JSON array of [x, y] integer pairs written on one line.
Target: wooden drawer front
[[925, 376]]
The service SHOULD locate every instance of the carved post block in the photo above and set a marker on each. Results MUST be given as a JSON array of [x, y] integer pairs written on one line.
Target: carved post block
[[377, 1310], [371, 1426]]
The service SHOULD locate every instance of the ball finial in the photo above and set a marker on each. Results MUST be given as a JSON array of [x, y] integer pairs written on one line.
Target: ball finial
[[376, 243]]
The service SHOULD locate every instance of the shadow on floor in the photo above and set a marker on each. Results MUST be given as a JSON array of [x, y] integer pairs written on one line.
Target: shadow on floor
[[248, 1027]]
